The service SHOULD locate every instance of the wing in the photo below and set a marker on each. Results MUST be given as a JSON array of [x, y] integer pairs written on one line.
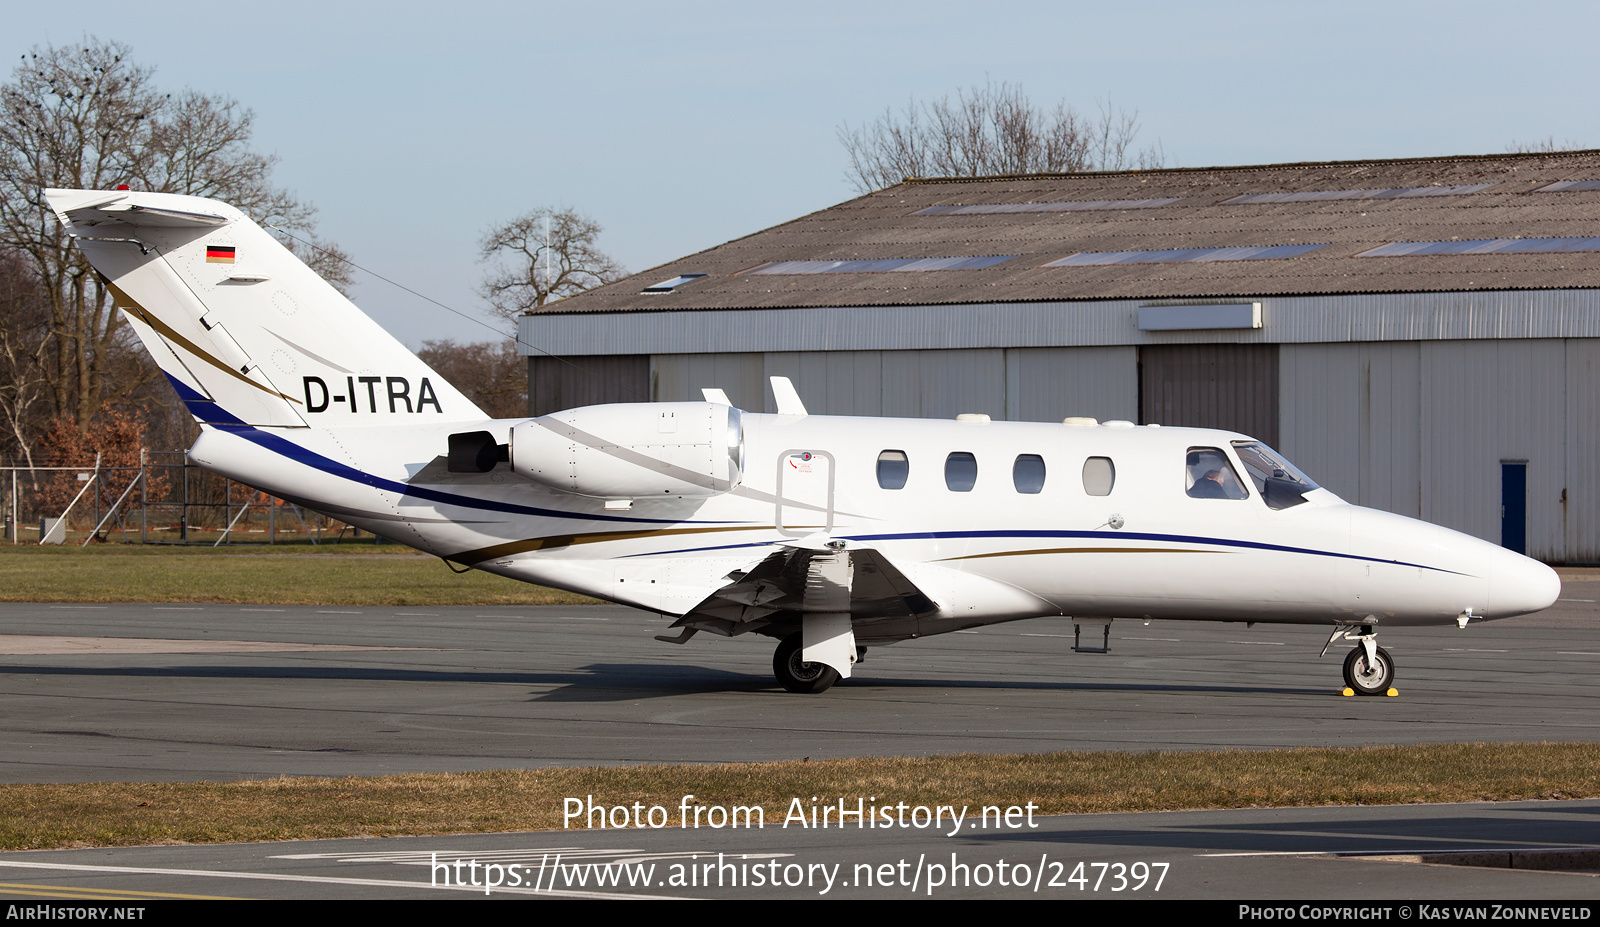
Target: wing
[[772, 596]]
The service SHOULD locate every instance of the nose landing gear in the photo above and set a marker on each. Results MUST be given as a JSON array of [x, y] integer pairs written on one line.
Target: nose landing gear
[[1369, 674], [1368, 668]]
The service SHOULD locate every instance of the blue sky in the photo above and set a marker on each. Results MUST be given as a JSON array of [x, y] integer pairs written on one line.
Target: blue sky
[[414, 127]]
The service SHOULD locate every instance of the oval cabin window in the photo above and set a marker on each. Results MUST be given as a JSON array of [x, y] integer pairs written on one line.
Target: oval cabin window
[[1027, 474], [893, 468], [960, 471], [1099, 475]]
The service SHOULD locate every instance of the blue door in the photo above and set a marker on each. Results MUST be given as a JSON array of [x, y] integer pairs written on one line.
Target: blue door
[[1514, 505]]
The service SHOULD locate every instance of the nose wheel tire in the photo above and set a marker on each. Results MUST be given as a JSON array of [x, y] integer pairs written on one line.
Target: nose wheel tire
[[1369, 677], [795, 674]]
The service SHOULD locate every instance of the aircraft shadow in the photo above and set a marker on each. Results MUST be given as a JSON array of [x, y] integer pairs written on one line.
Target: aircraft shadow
[[632, 680], [600, 682]]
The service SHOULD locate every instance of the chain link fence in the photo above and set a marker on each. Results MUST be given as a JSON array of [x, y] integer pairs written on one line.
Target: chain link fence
[[164, 500]]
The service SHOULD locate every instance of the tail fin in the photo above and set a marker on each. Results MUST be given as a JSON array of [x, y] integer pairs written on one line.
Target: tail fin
[[246, 332]]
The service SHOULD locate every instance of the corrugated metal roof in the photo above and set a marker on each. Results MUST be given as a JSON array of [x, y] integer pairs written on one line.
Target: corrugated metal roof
[[1527, 196]]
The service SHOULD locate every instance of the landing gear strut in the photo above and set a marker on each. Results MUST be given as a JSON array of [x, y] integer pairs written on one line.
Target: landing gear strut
[[1368, 668], [795, 674]]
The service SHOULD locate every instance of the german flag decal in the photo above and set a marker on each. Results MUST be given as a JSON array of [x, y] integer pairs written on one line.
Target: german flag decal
[[219, 254]]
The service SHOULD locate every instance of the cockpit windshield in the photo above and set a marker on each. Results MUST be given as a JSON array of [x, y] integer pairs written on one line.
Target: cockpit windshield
[[1280, 484]]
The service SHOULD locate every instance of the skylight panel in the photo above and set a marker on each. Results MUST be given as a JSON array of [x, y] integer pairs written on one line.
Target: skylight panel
[[1184, 255], [667, 286], [1569, 185], [1072, 206], [1388, 194], [891, 265], [1485, 246]]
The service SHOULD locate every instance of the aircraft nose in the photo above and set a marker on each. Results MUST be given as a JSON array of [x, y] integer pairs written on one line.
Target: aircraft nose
[[1519, 585]]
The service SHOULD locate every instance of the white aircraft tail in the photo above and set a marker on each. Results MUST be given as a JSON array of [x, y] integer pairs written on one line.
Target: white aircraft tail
[[246, 332]]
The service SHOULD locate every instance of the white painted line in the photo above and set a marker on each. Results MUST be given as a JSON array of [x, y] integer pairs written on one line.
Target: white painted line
[[1565, 599], [1175, 640], [566, 618], [966, 632], [337, 613], [319, 880], [1260, 643], [1580, 653]]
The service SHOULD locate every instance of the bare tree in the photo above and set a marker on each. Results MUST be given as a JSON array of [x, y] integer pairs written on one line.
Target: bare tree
[[89, 118], [24, 332], [545, 255], [1542, 146], [990, 130], [492, 375]]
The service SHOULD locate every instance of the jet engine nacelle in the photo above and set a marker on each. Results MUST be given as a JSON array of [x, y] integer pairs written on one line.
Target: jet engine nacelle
[[633, 450]]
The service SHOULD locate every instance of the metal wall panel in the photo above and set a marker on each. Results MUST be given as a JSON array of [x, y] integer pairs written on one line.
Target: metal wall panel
[[1581, 504], [1350, 418], [556, 383], [1050, 384], [947, 383], [1484, 402], [681, 377], [833, 382], [1231, 386], [1033, 384], [1286, 320], [1391, 427], [1320, 418]]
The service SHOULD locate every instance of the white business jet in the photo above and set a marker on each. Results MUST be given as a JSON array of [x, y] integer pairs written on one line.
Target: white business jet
[[827, 533]]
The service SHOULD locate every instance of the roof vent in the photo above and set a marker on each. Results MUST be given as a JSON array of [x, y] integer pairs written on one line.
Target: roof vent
[[972, 417], [667, 286], [1080, 420]]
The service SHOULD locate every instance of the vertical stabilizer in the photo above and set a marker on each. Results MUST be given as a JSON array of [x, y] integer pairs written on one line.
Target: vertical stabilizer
[[246, 332]]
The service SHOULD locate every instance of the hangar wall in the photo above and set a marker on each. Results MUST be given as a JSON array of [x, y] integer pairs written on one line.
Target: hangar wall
[[1018, 384], [1423, 428]]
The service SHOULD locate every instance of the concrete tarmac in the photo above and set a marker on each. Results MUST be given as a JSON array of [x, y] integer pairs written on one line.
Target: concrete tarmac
[[190, 692], [1344, 859]]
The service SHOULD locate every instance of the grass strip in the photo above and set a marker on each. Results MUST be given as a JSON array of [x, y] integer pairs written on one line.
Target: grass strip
[[127, 814], [281, 574]]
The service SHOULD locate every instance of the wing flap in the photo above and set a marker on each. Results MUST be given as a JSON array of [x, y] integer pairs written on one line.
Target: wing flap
[[794, 581]]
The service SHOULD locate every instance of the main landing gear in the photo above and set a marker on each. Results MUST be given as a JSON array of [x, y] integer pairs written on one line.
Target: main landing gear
[[1368, 668], [797, 675]]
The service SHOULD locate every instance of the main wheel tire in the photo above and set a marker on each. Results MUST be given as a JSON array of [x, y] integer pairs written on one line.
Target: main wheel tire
[[795, 674], [1369, 680]]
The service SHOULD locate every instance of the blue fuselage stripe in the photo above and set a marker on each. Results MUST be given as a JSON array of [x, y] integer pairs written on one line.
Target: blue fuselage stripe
[[1080, 535], [327, 465]]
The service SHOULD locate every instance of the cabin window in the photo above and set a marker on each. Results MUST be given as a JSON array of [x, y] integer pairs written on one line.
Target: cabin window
[[1211, 476], [1099, 475], [960, 471], [893, 468], [1279, 483], [1027, 474]]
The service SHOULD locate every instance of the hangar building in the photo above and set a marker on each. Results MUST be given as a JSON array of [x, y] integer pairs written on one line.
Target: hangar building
[[1421, 336]]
